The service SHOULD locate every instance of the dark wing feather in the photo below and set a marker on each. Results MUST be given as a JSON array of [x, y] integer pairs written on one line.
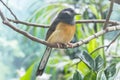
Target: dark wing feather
[[52, 28]]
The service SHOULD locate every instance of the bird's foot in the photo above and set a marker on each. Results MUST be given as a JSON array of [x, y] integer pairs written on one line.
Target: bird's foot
[[69, 45], [64, 45], [61, 45]]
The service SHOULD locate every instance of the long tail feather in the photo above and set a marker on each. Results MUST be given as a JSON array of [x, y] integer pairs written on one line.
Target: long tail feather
[[43, 61]]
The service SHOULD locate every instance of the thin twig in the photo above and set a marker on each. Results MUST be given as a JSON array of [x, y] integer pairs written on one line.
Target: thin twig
[[9, 9], [98, 49], [28, 24], [109, 14], [97, 21], [113, 40], [107, 46]]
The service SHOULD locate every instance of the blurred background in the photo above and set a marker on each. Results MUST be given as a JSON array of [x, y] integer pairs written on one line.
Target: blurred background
[[19, 56]]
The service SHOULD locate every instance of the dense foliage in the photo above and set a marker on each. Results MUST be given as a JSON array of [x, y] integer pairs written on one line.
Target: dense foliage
[[20, 56]]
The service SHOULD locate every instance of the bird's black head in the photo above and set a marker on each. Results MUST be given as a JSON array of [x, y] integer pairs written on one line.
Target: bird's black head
[[67, 16]]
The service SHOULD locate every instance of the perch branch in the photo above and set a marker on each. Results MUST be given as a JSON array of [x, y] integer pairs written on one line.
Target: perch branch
[[108, 29], [109, 14], [9, 9], [77, 22]]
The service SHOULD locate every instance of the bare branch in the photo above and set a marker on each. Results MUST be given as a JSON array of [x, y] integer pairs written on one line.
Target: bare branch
[[116, 1], [77, 22], [97, 21], [9, 9], [28, 24], [109, 14], [108, 29], [6, 22]]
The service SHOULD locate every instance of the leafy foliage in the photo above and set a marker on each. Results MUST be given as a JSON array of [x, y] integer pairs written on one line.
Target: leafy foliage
[[69, 64], [90, 76], [98, 63], [77, 76]]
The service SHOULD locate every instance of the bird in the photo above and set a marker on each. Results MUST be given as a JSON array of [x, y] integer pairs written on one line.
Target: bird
[[61, 31]]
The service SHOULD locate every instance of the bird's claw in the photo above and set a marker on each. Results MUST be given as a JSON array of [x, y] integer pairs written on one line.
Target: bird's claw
[[60, 45], [64, 45], [70, 45]]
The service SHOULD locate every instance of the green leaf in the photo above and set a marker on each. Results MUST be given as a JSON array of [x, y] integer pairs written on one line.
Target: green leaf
[[30, 73], [110, 71], [98, 63], [87, 59], [27, 76], [90, 76], [101, 75], [83, 68], [77, 76], [91, 46]]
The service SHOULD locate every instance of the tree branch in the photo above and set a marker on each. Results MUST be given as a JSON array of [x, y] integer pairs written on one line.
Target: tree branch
[[108, 29], [116, 1], [97, 21], [77, 22], [9, 9], [27, 23], [80, 21], [109, 14]]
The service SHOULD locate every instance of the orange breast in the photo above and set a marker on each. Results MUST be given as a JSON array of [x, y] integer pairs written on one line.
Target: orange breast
[[62, 34]]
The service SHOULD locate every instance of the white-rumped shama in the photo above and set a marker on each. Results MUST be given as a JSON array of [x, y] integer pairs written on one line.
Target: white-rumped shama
[[62, 31]]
